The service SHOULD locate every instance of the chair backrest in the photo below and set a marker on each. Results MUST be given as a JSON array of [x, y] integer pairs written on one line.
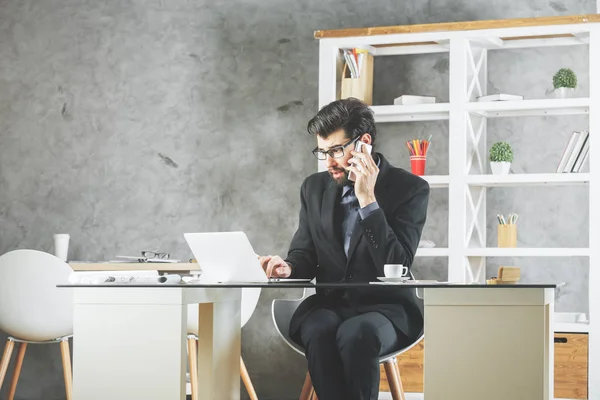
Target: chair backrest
[[250, 298], [282, 311], [31, 306]]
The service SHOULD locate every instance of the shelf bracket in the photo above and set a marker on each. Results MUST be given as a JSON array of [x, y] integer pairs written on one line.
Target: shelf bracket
[[474, 151], [475, 269], [474, 211], [475, 69], [583, 37], [494, 43]]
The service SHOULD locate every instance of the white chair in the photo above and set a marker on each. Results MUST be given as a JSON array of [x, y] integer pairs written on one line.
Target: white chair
[[33, 310], [249, 301], [282, 311]]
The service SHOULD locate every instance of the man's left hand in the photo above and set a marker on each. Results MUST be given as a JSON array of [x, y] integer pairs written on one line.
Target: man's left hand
[[366, 171]]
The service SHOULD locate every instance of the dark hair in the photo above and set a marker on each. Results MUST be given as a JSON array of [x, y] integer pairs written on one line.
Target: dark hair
[[351, 115]]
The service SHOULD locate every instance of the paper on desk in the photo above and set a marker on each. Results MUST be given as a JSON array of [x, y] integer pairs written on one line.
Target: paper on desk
[[145, 260], [94, 278]]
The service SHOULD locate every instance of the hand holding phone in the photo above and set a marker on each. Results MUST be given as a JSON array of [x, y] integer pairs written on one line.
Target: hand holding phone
[[358, 148]]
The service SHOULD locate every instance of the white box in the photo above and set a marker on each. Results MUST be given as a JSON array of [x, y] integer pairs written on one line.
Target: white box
[[410, 99]]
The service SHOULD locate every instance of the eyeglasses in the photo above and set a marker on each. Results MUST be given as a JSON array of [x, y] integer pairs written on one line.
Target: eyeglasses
[[334, 152], [153, 254]]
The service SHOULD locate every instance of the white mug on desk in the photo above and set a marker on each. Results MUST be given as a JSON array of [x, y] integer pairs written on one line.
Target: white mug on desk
[[394, 270]]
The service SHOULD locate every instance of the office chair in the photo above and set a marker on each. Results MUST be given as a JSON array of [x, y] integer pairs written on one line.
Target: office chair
[[33, 310], [282, 311]]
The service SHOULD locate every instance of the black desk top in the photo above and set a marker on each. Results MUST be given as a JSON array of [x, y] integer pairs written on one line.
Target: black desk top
[[309, 285]]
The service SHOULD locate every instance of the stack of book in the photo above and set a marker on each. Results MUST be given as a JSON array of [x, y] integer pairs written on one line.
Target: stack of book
[[576, 153]]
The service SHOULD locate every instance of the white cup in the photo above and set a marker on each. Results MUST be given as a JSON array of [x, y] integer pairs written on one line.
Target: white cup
[[394, 270], [61, 245]]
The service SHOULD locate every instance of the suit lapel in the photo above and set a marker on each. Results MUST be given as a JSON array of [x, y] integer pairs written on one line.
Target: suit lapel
[[357, 234], [331, 198]]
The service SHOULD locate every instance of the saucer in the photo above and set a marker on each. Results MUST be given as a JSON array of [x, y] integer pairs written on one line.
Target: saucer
[[398, 279]]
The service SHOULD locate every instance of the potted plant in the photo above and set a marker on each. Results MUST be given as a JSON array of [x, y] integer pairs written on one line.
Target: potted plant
[[501, 156], [565, 82]]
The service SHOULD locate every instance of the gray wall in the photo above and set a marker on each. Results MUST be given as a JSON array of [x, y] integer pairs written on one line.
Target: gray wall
[[126, 124]]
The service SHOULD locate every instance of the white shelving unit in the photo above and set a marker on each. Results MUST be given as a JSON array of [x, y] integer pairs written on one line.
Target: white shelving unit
[[468, 45]]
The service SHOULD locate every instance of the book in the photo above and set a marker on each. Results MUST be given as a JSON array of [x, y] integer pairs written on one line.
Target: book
[[575, 153], [411, 99], [584, 159], [567, 153], [355, 61], [582, 153]]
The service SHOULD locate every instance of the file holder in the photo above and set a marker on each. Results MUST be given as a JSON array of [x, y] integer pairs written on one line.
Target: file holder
[[361, 87], [507, 235]]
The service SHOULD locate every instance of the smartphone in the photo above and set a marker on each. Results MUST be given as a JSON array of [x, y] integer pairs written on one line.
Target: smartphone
[[358, 148]]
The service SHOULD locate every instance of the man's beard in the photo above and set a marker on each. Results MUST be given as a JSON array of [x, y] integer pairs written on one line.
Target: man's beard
[[343, 180]]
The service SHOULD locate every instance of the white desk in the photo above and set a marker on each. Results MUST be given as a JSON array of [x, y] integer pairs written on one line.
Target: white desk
[[130, 343], [483, 342]]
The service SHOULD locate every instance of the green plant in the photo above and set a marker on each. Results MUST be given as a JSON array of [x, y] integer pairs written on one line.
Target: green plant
[[501, 151], [565, 77]]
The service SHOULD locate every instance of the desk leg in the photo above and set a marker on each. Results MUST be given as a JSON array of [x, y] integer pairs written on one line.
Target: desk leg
[[129, 351], [219, 343]]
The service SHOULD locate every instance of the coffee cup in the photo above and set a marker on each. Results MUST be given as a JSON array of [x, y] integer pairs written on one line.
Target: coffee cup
[[394, 270]]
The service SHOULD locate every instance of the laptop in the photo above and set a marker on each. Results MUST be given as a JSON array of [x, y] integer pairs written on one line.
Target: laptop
[[228, 257]]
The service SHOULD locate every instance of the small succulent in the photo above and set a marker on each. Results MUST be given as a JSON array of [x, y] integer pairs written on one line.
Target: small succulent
[[501, 151], [565, 78]]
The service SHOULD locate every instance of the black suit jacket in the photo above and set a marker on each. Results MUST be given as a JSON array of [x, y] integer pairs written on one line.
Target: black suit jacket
[[390, 235]]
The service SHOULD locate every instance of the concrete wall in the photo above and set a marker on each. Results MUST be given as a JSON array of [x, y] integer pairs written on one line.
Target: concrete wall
[[127, 124]]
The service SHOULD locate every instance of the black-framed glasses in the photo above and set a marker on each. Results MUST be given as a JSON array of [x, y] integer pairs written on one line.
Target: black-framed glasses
[[334, 152], [153, 254]]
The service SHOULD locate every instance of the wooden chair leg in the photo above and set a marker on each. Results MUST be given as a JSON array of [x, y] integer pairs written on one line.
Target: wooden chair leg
[[193, 360], [67, 371], [392, 372], [247, 381], [307, 388], [17, 371], [8, 349]]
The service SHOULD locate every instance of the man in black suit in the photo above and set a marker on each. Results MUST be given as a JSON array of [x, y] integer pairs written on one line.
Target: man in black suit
[[347, 232]]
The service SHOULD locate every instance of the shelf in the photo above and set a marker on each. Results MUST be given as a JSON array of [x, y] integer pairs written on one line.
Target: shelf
[[528, 252], [437, 181], [528, 179], [569, 322], [572, 327], [541, 107], [432, 252], [491, 109], [417, 112]]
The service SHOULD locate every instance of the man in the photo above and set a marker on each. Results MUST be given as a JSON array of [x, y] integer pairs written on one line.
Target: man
[[347, 231]]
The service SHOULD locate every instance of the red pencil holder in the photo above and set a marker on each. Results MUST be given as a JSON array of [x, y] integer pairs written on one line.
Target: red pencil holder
[[417, 164]]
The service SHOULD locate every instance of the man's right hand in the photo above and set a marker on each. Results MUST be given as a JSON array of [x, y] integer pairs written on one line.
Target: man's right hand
[[275, 267]]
